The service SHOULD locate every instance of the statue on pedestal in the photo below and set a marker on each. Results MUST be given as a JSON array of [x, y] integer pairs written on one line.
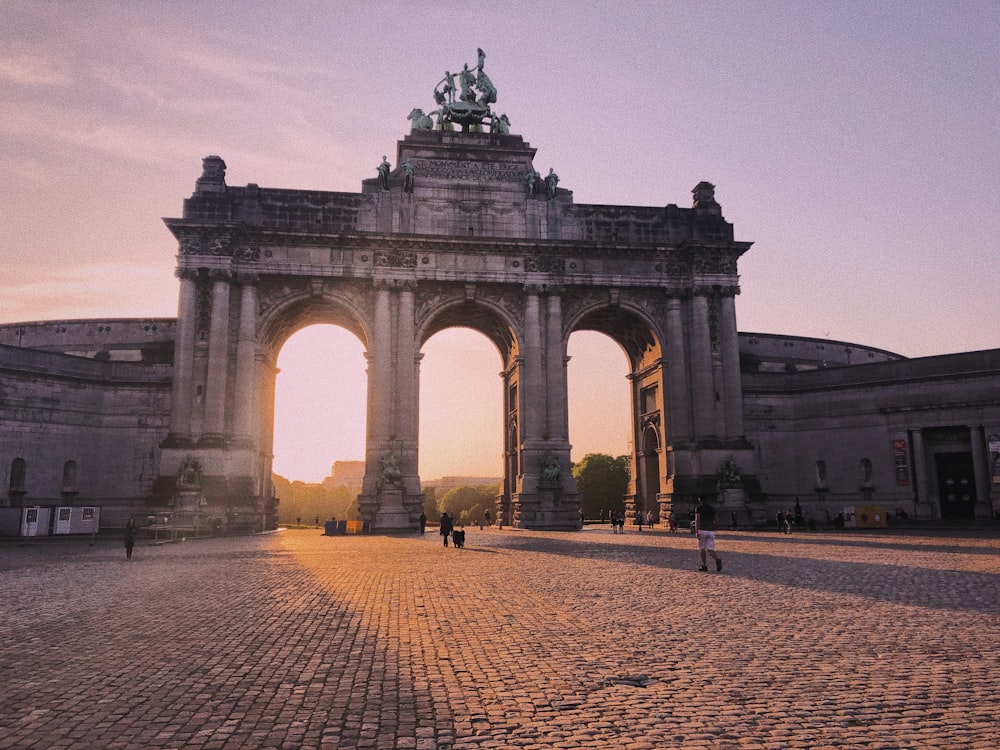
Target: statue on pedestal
[[477, 92]]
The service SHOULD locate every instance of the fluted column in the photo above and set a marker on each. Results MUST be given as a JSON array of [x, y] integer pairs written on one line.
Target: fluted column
[[218, 357], [406, 384], [702, 388], [182, 385], [247, 377], [732, 395], [532, 385], [679, 395], [555, 370], [380, 368]]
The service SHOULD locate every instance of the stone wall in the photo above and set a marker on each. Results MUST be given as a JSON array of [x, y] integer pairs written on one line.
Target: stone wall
[[844, 415], [107, 418]]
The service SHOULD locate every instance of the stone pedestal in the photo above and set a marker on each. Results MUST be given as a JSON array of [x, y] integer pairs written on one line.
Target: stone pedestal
[[188, 499], [390, 514], [732, 498]]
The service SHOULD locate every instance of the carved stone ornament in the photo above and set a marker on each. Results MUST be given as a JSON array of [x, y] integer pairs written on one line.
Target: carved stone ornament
[[189, 474], [545, 264], [394, 259], [551, 474], [247, 252]]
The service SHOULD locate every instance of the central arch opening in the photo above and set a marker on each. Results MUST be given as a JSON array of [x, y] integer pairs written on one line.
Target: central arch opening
[[461, 410]]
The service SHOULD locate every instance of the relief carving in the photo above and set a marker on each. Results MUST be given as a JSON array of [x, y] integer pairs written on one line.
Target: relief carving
[[545, 264], [394, 259]]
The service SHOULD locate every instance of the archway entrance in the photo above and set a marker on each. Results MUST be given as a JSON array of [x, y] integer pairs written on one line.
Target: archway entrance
[[319, 403]]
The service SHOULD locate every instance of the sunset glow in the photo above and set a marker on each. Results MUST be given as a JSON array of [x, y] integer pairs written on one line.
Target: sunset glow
[[321, 392]]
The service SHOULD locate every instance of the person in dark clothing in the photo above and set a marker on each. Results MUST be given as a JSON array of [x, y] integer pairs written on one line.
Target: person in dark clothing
[[447, 526], [704, 529], [130, 531], [423, 522]]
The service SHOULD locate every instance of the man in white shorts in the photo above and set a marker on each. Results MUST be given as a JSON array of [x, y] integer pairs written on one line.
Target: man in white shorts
[[704, 528]]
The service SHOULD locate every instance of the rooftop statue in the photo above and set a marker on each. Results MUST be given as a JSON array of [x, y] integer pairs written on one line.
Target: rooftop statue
[[472, 108]]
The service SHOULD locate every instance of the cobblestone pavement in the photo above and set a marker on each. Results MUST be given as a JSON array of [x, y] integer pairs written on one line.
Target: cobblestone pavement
[[521, 640]]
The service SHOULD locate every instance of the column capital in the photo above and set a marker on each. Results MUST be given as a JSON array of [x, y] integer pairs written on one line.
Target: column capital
[[220, 274], [247, 278], [189, 274]]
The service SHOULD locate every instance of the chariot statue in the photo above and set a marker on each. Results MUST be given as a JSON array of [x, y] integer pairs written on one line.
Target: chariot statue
[[471, 108]]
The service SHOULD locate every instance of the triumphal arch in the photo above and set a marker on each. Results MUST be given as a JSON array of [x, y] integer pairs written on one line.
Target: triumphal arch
[[462, 230]]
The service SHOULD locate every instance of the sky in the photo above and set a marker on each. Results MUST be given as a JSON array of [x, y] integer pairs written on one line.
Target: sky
[[856, 144]]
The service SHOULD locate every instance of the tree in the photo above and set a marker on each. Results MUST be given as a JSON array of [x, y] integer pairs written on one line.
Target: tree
[[468, 504], [602, 482], [430, 504], [307, 501]]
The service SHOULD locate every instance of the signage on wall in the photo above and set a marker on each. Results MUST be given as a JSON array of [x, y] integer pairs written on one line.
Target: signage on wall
[[901, 461]]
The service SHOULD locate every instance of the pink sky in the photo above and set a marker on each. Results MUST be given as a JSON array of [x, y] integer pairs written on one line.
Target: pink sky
[[856, 144]]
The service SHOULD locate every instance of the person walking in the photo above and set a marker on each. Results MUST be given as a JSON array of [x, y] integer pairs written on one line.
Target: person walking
[[130, 530], [447, 526], [704, 528]]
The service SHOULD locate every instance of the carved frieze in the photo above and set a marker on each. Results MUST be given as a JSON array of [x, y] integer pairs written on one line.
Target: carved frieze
[[394, 259], [219, 245], [545, 264]]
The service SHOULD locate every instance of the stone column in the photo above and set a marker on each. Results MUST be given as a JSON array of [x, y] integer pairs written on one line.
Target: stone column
[[407, 360], [182, 385], [247, 386], [380, 371], [555, 371], [702, 387], [678, 428], [218, 357], [981, 471], [732, 394], [922, 505], [532, 384]]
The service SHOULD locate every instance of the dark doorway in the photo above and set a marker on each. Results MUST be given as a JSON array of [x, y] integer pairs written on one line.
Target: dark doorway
[[956, 485]]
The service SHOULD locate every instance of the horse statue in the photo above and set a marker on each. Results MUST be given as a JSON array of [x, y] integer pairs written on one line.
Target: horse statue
[[420, 120]]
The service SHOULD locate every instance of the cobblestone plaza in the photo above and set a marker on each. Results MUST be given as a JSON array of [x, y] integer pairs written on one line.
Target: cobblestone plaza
[[521, 640]]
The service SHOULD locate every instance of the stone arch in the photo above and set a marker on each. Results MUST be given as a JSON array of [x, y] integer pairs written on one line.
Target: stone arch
[[636, 331], [629, 326], [488, 317], [649, 487], [301, 310], [484, 316]]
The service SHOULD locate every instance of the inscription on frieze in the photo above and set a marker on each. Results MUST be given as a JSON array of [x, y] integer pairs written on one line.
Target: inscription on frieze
[[469, 171], [545, 264]]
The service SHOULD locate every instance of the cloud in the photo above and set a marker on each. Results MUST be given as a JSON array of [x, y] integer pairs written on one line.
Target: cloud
[[32, 70], [110, 290]]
